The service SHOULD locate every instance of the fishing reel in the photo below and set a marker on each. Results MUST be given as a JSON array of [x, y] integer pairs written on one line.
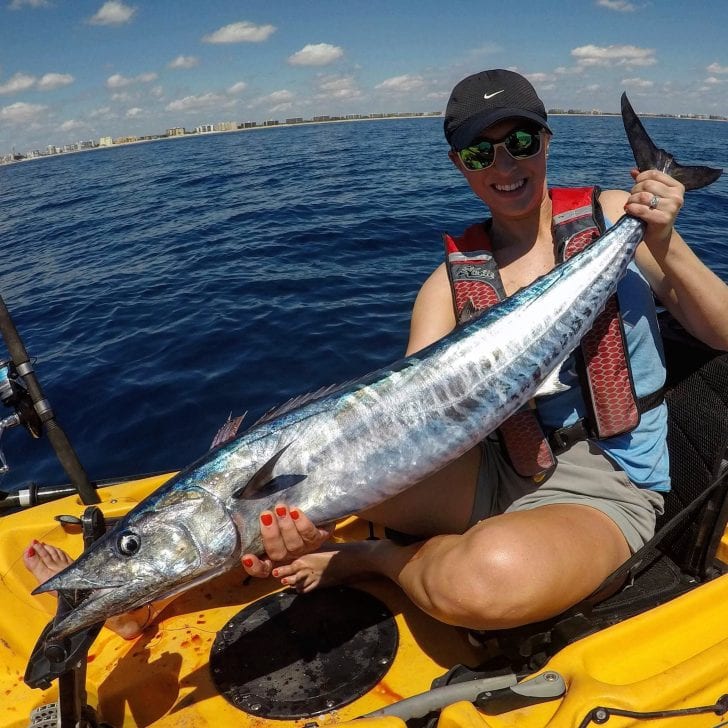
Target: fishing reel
[[14, 395]]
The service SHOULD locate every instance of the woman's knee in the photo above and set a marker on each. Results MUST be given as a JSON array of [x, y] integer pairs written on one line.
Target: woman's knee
[[505, 572], [486, 592]]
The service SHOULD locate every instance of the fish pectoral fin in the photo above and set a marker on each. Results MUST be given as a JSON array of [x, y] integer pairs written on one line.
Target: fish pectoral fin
[[264, 483]]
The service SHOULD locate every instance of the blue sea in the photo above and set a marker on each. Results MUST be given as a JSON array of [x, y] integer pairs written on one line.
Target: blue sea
[[162, 286]]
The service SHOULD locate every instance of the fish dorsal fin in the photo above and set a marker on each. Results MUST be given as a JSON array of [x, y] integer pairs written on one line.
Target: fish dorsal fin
[[228, 430], [296, 402], [263, 477], [468, 312]]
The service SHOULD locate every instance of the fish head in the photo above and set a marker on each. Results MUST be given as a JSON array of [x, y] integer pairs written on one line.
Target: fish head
[[174, 539]]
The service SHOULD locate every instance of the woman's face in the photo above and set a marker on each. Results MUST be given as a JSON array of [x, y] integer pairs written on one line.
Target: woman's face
[[510, 187]]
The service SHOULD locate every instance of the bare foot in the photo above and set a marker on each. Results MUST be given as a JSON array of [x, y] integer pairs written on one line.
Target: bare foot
[[328, 566], [44, 561]]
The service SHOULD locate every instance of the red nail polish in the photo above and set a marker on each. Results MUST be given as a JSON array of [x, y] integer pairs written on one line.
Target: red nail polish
[[275, 573], [35, 541], [281, 511], [266, 519], [31, 551], [248, 562], [295, 515]]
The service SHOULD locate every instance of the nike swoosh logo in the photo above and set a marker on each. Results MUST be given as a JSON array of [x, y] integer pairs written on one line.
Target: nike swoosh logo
[[495, 93]]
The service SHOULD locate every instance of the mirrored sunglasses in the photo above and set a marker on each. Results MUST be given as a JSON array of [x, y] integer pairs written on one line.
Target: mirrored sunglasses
[[520, 144]]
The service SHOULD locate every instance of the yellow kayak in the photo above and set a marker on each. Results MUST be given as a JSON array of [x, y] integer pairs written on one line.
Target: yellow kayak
[[670, 658]]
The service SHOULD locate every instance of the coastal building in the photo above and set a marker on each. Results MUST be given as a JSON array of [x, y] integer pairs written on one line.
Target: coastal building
[[105, 141], [176, 131]]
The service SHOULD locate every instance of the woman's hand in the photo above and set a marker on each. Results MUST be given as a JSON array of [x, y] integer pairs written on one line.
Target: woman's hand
[[287, 534], [656, 198]]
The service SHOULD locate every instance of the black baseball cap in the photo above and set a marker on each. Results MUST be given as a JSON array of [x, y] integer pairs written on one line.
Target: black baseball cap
[[486, 98]]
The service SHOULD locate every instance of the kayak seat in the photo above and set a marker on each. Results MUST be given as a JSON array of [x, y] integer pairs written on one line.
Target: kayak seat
[[683, 552]]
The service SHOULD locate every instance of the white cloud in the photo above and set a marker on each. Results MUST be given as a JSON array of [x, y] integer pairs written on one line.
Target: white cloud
[[338, 87], [713, 81], [47, 82], [117, 80], [238, 87], [18, 4], [281, 100], [716, 68], [104, 112], [16, 83], [50, 81], [401, 84], [134, 112], [21, 113], [113, 12], [73, 125], [614, 55], [242, 32], [202, 102], [538, 77], [316, 54], [184, 62], [621, 6], [564, 71], [637, 83]]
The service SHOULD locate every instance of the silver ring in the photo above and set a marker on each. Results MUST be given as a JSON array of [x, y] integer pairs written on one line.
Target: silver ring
[[654, 202]]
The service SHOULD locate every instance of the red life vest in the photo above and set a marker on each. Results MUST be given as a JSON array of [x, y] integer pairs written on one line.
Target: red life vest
[[602, 360]]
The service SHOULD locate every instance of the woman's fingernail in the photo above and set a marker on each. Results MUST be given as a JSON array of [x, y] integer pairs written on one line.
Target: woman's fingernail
[[295, 515], [35, 541], [266, 519], [31, 551], [281, 510], [275, 573], [248, 562]]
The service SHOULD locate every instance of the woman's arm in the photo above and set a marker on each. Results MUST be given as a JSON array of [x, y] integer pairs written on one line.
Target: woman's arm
[[692, 293], [432, 315]]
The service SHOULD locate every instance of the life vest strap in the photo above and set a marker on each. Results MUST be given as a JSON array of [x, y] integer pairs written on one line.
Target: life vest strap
[[476, 284]]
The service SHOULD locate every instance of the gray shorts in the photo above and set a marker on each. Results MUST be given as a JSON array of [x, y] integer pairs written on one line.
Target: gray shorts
[[583, 475]]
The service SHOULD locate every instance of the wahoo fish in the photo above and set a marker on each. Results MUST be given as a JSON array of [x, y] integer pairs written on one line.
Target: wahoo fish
[[343, 450]]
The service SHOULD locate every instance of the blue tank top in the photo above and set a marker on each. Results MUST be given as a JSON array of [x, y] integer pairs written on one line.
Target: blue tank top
[[641, 453]]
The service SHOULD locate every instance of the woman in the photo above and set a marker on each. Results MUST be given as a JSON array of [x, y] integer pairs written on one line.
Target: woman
[[500, 549]]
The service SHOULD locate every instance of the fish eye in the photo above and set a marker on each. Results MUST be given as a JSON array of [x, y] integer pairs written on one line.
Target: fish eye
[[128, 543]]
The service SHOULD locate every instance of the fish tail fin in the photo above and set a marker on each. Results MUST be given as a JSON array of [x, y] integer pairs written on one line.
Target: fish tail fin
[[649, 156]]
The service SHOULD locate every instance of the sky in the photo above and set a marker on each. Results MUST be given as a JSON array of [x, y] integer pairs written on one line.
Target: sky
[[73, 70]]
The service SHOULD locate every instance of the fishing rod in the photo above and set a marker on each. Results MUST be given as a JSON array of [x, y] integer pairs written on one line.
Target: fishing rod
[[20, 389]]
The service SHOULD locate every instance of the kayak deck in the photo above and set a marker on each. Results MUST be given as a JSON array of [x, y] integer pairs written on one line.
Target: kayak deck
[[674, 656]]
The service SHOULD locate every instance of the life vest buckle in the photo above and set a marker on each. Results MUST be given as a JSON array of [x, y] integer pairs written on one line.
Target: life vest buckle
[[563, 438]]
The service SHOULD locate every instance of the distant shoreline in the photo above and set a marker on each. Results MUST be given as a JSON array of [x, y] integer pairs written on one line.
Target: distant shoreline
[[310, 122]]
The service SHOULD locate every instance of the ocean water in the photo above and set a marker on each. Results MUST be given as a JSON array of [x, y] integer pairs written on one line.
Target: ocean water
[[162, 286]]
